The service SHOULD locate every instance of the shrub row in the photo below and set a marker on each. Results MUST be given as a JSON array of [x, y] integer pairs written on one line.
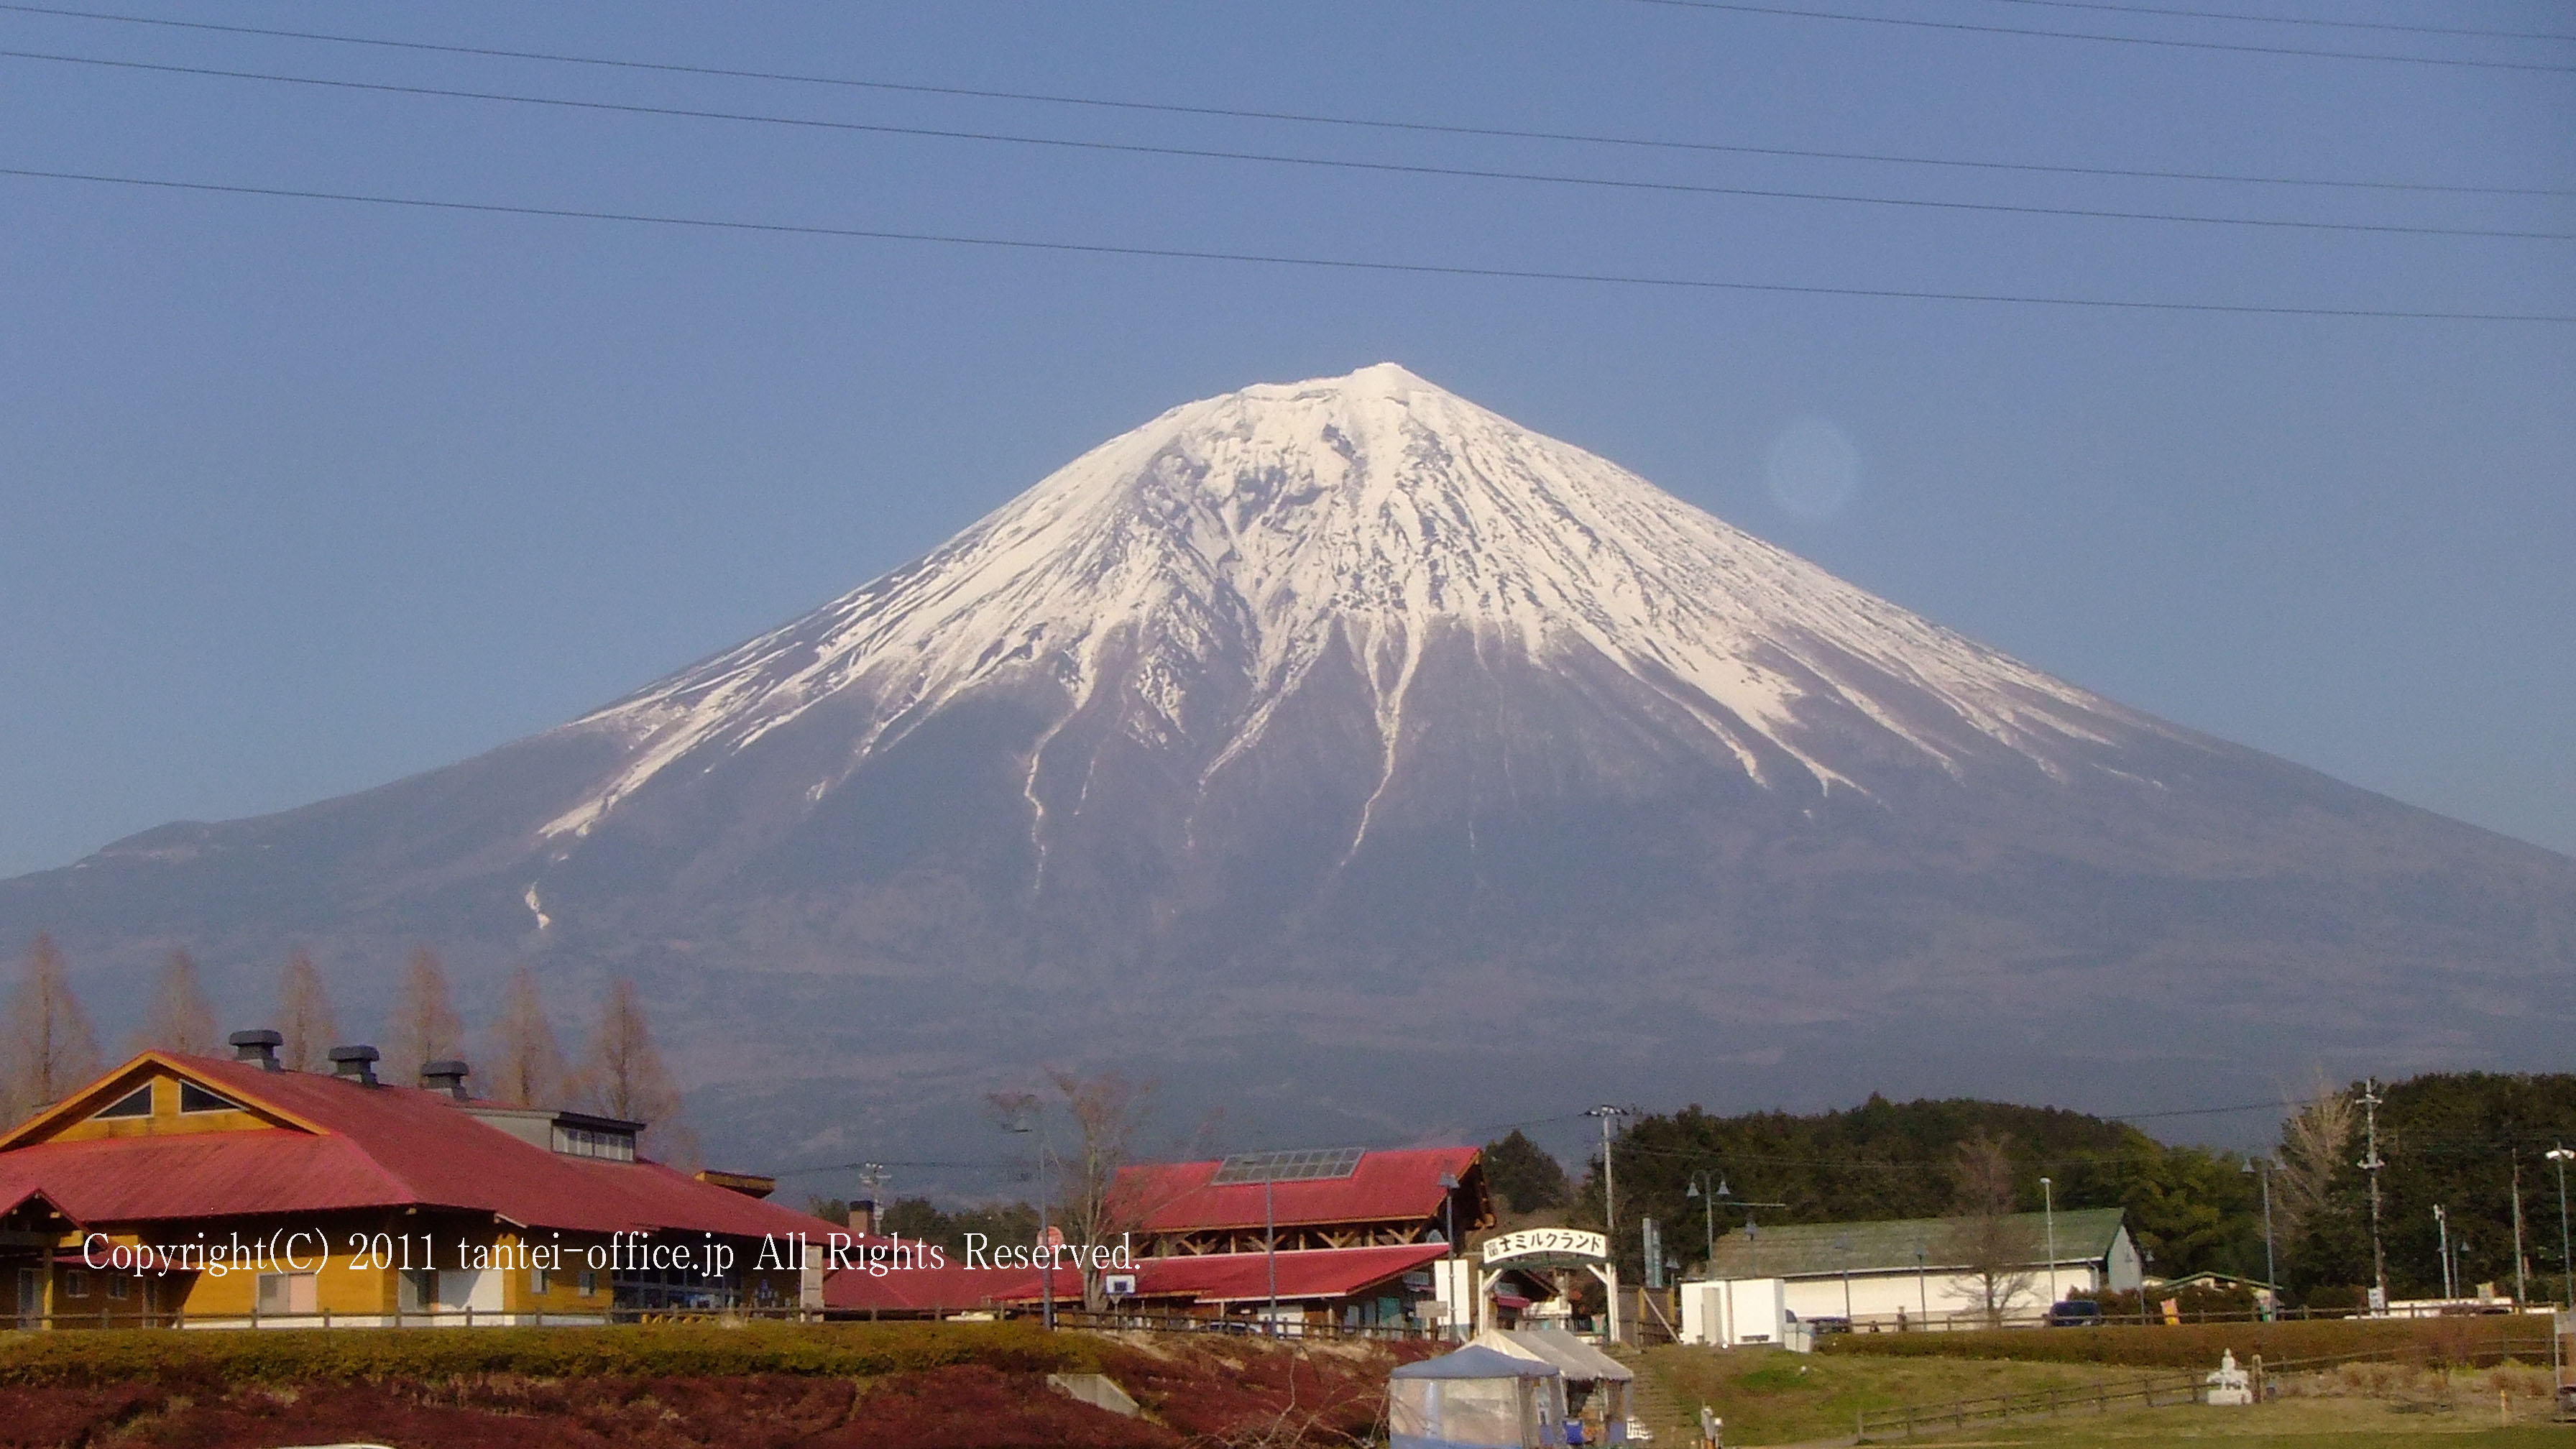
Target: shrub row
[[2198, 1345], [87, 1357]]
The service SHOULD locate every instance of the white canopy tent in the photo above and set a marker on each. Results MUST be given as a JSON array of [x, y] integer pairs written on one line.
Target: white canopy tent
[[1476, 1398], [1596, 1385]]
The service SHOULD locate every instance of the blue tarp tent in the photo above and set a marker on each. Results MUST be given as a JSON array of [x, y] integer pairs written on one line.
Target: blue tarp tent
[[1477, 1398]]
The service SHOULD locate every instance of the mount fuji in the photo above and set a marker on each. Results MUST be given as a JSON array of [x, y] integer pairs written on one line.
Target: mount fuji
[[1347, 752]]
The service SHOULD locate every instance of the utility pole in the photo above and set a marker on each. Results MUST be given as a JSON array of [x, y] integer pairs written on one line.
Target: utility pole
[[1451, 1276], [872, 1178], [1609, 1215], [2271, 1274], [2442, 1236], [2371, 1164], [2521, 1283], [2048, 1205]]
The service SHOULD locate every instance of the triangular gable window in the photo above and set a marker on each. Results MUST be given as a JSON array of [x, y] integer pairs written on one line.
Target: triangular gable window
[[137, 1103], [193, 1098]]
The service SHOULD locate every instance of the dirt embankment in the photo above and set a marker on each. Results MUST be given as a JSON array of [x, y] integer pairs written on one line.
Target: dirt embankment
[[1193, 1393]]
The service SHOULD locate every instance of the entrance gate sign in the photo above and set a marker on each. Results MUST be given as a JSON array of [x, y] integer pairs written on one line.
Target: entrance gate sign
[[1548, 1248]]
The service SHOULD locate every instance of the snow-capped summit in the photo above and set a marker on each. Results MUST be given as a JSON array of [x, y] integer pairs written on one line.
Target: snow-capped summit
[[1202, 569], [1363, 762]]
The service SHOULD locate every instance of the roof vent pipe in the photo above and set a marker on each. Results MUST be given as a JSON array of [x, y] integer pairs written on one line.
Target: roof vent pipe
[[446, 1076], [257, 1046], [355, 1064]]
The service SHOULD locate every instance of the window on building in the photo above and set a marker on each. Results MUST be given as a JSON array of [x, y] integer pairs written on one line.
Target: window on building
[[137, 1103], [594, 1142], [416, 1291], [537, 1281], [119, 1286], [589, 1283], [193, 1098], [76, 1284], [288, 1293]]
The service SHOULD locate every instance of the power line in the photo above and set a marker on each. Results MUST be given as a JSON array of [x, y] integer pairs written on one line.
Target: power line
[[1278, 159], [1294, 117], [1517, 274], [2305, 20], [1740, 8]]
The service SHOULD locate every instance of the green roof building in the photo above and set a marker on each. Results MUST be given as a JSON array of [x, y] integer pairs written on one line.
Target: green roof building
[[1935, 1272]]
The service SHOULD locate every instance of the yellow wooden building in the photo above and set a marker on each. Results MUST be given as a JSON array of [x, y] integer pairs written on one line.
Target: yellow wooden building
[[195, 1191]]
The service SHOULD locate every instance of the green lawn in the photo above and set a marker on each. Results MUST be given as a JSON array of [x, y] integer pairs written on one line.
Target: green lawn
[[1771, 1397], [2286, 1424], [1768, 1396]]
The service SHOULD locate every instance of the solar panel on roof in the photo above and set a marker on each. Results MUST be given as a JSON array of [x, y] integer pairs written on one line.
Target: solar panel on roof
[[1298, 1164]]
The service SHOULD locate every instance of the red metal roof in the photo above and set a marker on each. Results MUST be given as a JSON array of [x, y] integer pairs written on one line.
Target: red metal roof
[[1206, 1278], [382, 1146], [1395, 1186], [953, 1288], [1314, 1273]]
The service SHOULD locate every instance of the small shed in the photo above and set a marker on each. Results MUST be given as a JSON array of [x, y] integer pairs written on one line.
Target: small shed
[[1596, 1385], [1477, 1398]]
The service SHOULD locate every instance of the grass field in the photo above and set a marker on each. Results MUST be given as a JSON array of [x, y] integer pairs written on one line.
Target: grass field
[[1770, 1397], [2288, 1424], [1767, 1396]]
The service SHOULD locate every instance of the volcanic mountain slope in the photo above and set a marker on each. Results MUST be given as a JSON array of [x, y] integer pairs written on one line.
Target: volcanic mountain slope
[[1345, 720]]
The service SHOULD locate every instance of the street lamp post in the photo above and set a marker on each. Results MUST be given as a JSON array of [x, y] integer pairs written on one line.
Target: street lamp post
[[2048, 1206], [1021, 1121], [1715, 1191], [2558, 1158]]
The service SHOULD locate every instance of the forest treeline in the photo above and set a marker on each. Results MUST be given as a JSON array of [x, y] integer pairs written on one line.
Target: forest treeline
[[52, 1047], [2470, 1142]]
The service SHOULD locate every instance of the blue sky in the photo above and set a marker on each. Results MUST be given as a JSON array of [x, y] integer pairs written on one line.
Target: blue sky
[[300, 496]]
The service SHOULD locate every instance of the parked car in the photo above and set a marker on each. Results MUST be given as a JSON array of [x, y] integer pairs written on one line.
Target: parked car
[[2075, 1313]]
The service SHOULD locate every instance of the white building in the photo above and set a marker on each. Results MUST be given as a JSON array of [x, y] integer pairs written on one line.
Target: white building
[[1914, 1272]]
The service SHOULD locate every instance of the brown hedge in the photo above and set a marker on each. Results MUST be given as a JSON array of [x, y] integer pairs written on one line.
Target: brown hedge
[[89, 1357], [2463, 1341]]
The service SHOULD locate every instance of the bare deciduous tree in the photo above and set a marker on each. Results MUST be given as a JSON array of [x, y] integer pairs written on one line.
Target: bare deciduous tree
[[1988, 1244], [2316, 1139], [51, 1046], [181, 1020], [304, 1015], [525, 1067], [622, 1075], [1107, 1111], [425, 1027]]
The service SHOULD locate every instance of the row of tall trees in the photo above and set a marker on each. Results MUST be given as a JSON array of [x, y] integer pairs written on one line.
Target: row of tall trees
[[53, 1047], [2190, 1207], [2471, 1143]]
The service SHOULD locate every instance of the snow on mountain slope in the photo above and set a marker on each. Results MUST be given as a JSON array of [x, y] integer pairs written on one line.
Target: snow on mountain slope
[[1242, 539]]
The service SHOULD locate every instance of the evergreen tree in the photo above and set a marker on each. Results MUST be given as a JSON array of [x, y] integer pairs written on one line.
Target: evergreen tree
[[1524, 1178]]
